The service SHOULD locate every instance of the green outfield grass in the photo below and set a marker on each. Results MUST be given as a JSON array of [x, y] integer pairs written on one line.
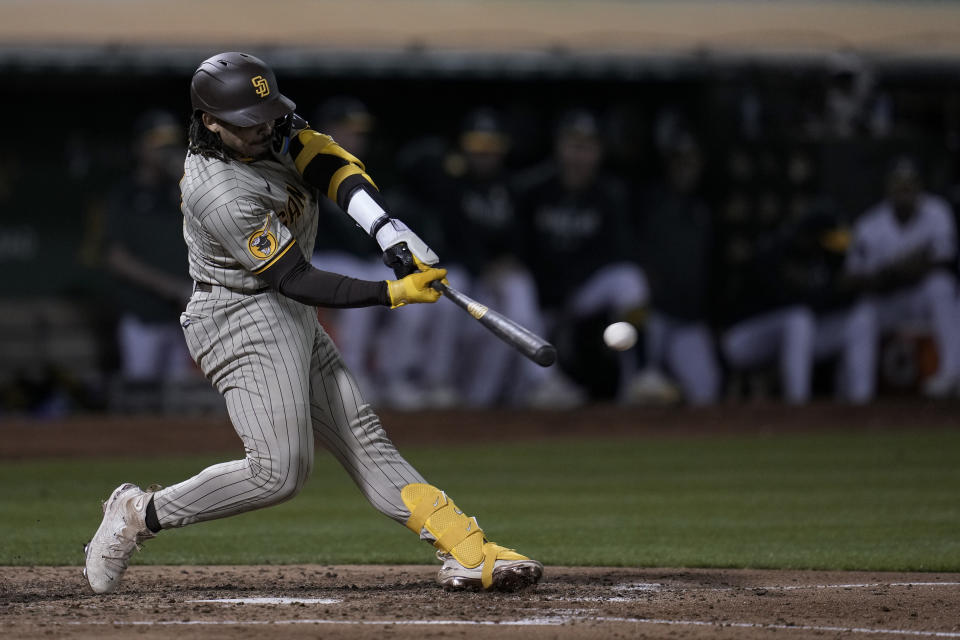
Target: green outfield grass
[[827, 501]]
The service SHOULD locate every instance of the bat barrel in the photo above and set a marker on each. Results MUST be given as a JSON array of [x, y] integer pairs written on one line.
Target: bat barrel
[[528, 343]]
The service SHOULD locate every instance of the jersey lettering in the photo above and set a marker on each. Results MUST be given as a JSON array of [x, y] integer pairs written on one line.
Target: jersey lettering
[[296, 202]]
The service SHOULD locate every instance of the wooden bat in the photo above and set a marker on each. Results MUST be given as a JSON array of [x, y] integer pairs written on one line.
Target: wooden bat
[[520, 338]]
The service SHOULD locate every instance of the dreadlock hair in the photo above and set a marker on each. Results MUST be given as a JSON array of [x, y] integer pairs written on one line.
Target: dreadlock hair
[[204, 142]]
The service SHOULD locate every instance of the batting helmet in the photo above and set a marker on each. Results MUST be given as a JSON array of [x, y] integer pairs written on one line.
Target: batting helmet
[[239, 89]]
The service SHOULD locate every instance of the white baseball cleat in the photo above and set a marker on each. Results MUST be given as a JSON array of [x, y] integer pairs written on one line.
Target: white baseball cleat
[[123, 529], [514, 574]]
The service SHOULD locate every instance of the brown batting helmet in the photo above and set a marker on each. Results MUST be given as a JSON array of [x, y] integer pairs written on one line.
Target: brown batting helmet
[[239, 89]]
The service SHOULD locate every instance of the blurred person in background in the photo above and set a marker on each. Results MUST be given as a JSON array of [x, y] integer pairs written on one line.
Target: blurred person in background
[[481, 230], [144, 251], [813, 272], [902, 267], [676, 238], [768, 326], [340, 249], [579, 242]]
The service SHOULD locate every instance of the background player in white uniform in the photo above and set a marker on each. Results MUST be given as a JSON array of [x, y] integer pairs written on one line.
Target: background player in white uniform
[[250, 219], [579, 228], [902, 260]]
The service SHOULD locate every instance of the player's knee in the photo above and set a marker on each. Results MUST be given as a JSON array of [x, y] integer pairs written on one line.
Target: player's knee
[[282, 477]]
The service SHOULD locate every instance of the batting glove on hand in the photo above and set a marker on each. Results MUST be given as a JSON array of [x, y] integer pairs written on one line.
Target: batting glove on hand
[[415, 287], [283, 129], [396, 236]]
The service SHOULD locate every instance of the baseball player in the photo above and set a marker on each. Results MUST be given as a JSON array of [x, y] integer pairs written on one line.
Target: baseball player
[[902, 264], [578, 223], [676, 235], [252, 176]]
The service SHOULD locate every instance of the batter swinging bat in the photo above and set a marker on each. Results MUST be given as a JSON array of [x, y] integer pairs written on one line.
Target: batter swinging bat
[[524, 340]]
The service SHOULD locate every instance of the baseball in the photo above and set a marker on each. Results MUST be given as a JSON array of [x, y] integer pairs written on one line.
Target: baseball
[[620, 336]]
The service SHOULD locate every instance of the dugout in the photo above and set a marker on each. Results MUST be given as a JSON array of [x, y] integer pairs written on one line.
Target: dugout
[[747, 76]]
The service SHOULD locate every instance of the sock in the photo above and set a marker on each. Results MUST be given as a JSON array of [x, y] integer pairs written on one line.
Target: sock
[[152, 522]]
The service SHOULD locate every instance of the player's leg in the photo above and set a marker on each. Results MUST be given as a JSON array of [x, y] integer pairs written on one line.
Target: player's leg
[[852, 334], [796, 354], [651, 385], [411, 331], [262, 368], [691, 357], [621, 289], [937, 294], [347, 426], [141, 349], [784, 336], [498, 373]]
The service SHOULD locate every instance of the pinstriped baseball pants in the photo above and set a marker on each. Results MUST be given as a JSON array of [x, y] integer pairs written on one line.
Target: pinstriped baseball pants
[[285, 385]]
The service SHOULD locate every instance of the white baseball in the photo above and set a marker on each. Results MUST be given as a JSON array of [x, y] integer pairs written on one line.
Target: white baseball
[[620, 336]]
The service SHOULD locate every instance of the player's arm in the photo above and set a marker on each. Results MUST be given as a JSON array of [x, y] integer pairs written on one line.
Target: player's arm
[[327, 166], [295, 278]]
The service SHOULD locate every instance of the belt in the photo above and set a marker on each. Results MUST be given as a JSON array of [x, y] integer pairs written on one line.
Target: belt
[[206, 287]]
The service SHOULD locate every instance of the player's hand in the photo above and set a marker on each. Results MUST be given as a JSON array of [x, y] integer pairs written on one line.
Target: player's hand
[[415, 287], [403, 261], [283, 129], [395, 233]]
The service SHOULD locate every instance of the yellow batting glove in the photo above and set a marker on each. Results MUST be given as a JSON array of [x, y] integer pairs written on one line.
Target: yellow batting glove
[[415, 287]]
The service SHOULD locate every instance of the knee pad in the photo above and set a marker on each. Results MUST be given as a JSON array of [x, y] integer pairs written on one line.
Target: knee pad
[[453, 531]]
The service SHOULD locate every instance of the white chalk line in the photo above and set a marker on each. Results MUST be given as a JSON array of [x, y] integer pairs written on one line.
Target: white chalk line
[[867, 585], [645, 586], [542, 621], [271, 600]]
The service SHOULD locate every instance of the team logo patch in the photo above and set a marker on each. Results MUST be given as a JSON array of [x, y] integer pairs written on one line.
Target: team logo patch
[[262, 244], [261, 86]]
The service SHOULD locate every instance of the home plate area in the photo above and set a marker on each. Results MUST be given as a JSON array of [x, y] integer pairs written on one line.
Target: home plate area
[[403, 602]]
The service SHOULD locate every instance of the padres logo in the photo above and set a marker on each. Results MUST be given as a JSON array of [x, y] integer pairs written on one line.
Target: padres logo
[[260, 84], [262, 244]]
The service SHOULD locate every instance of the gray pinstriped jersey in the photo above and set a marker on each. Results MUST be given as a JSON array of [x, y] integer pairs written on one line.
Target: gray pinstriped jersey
[[239, 217]]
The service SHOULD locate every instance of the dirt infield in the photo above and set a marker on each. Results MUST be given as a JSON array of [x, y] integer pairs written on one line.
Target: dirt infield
[[403, 602], [104, 436]]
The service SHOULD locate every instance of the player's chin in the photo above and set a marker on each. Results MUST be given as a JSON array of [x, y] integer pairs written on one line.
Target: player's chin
[[259, 150]]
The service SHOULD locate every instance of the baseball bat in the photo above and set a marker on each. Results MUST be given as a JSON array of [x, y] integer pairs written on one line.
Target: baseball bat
[[525, 341]]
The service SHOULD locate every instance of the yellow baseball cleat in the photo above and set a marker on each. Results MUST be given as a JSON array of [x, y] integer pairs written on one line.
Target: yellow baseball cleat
[[502, 570], [470, 561]]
